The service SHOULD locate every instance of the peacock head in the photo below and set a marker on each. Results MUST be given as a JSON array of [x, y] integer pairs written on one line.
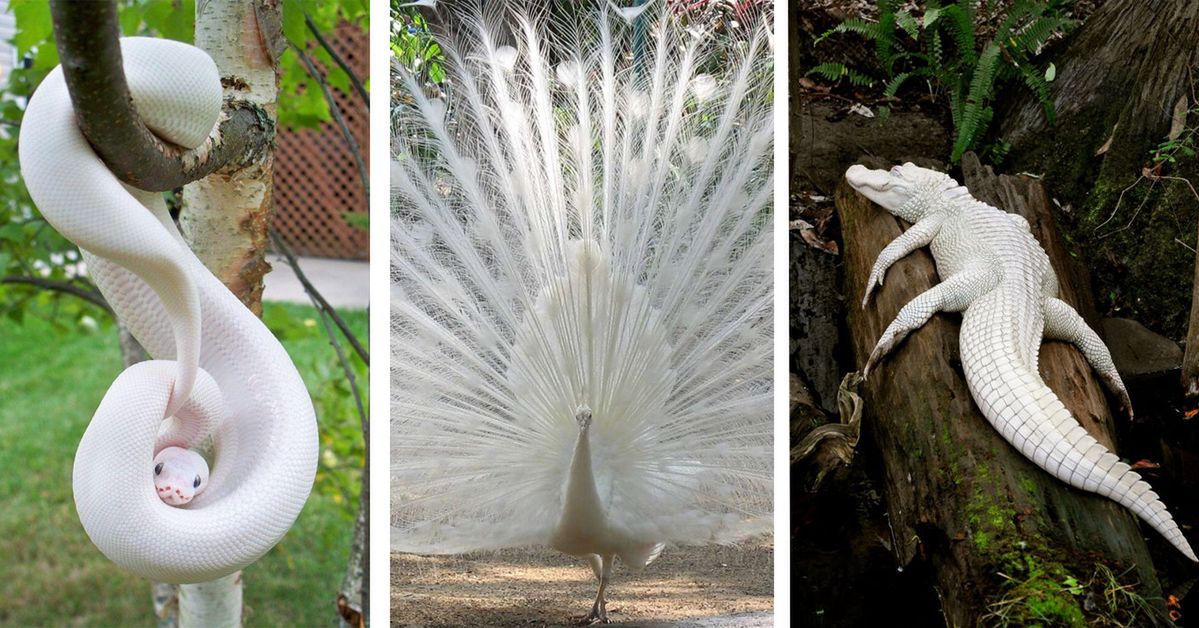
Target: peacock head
[[907, 191], [583, 416]]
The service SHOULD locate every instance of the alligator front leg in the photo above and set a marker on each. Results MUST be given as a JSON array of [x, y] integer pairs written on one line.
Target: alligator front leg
[[1062, 322], [918, 235], [951, 295]]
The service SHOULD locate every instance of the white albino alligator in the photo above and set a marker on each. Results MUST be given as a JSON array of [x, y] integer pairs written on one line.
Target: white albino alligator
[[999, 277]]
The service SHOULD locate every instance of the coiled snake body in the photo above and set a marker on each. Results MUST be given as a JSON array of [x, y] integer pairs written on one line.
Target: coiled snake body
[[218, 370]]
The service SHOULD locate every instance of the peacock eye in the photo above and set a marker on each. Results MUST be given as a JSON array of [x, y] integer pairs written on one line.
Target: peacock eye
[[158, 468], [196, 484]]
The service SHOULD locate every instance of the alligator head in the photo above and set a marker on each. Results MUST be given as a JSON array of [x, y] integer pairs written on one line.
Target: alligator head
[[907, 191]]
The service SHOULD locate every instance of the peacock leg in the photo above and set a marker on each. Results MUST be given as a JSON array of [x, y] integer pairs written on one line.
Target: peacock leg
[[602, 566]]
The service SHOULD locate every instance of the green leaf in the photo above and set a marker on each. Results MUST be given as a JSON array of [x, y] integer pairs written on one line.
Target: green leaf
[[908, 24], [33, 24], [130, 18], [931, 15], [169, 19], [338, 79], [294, 27], [1050, 73]]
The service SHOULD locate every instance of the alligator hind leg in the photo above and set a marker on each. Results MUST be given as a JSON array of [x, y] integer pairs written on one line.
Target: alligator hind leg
[[1062, 322], [951, 295]]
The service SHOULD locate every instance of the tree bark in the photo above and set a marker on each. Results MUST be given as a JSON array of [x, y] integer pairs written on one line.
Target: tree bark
[[352, 599], [959, 496], [215, 604], [225, 216], [1119, 78]]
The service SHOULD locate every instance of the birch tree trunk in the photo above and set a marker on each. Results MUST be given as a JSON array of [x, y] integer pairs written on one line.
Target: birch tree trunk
[[224, 216]]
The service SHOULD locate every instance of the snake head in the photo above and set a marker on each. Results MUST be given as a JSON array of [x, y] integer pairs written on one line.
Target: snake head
[[179, 475]]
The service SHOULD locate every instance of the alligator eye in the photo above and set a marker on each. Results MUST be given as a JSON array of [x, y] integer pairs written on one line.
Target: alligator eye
[[196, 484], [158, 468], [896, 170]]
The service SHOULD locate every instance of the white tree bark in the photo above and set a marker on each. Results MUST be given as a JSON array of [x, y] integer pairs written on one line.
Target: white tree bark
[[215, 604], [224, 216]]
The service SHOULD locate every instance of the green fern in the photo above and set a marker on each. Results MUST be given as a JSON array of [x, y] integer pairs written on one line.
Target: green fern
[[961, 28], [1033, 36], [975, 113], [898, 80], [885, 42], [869, 30], [940, 46], [836, 71], [908, 23], [1035, 80]]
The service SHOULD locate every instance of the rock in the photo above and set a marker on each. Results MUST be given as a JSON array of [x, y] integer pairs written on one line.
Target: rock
[[1137, 351]]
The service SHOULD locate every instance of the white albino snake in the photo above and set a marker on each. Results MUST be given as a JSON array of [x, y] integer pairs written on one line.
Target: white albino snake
[[217, 364]]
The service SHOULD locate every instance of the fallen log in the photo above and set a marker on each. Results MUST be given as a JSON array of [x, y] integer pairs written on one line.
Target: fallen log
[[995, 528]]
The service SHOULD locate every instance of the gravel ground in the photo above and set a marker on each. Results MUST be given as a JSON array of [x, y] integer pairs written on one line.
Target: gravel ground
[[700, 587]]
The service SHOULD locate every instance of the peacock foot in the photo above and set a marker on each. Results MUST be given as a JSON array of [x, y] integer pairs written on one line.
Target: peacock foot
[[593, 618], [598, 615]]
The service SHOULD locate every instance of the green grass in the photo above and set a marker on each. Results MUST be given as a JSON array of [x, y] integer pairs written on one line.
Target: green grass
[[51, 381]]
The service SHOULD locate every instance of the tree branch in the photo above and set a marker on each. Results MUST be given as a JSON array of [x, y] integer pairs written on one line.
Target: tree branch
[[341, 62], [87, 35]]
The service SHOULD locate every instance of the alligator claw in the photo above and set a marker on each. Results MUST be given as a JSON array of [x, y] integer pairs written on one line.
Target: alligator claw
[[873, 282]]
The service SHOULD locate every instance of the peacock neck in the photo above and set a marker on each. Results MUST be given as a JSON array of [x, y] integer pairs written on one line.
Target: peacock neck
[[582, 518]]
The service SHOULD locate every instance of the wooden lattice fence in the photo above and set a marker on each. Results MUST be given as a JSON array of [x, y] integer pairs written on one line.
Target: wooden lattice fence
[[316, 180]]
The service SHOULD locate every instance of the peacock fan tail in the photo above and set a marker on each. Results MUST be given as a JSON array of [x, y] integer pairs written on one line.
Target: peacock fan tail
[[581, 219]]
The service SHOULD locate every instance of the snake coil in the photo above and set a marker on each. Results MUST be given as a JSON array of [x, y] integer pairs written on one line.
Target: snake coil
[[218, 371]]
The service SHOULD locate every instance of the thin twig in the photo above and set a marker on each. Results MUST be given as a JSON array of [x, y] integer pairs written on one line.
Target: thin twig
[[327, 314], [91, 296], [1183, 179], [341, 62], [335, 110], [315, 294]]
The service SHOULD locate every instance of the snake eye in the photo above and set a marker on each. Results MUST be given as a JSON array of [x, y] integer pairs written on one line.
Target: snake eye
[[196, 484], [158, 468]]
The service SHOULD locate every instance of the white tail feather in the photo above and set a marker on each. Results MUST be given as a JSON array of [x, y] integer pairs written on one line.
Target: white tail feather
[[584, 219]]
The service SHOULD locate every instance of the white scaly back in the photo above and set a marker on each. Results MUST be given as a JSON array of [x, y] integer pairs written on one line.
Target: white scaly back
[[582, 219]]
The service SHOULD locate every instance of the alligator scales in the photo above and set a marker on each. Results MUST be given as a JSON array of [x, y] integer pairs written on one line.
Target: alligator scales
[[999, 277]]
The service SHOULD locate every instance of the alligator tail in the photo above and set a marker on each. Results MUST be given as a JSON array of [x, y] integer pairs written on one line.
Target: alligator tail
[[1016, 401]]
